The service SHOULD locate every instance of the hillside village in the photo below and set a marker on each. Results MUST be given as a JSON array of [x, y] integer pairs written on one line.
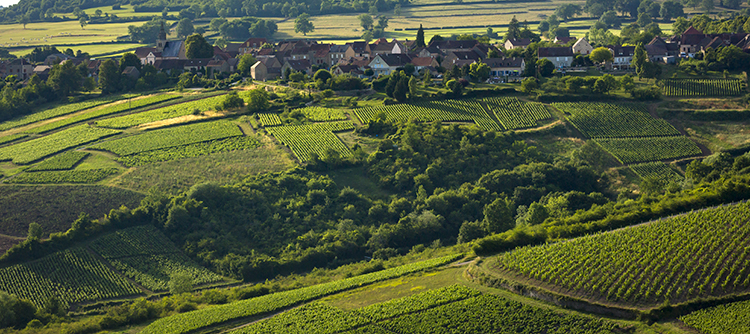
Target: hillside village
[[382, 57]]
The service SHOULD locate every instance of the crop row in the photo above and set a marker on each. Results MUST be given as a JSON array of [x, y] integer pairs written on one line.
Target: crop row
[[703, 87], [309, 140], [134, 241], [731, 318], [64, 176], [657, 171], [605, 120], [170, 137], [633, 150], [63, 161], [701, 254], [123, 106], [514, 114], [448, 111], [64, 109], [269, 119], [10, 138], [72, 275], [321, 114], [191, 321], [154, 271], [190, 151], [313, 318], [32, 150], [177, 110], [419, 302]]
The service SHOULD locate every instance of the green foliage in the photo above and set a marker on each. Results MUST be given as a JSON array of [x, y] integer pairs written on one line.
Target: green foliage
[[546, 67], [190, 321], [171, 137], [64, 176], [703, 87], [177, 110], [302, 24], [514, 114], [269, 119], [197, 47], [601, 55], [313, 318], [124, 105], [174, 272], [64, 109], [447, 110], [705, 259], [132, 242], [420, 302], [10, 138], [723, 319], [63, 161], [29, 151], [190, 151], [180, 283], [632, 150], [72, 275], [604, 120], [309, 141], [322, 114], [257, 100], [231, 101], [656, 170], [185, 28]]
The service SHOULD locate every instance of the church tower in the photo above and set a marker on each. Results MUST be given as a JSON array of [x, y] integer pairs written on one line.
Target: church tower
[[161, 42]]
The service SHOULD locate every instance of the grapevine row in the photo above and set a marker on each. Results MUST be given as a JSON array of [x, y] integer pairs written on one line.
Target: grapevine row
[[448, 111], [308, 140], [64, 176], [190, 151], [703, 87], [514, 114], [62, 161], [605, 120], [29, 151], [633, 150]]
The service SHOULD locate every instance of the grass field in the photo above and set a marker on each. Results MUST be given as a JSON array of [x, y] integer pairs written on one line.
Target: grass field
[[56, 207]]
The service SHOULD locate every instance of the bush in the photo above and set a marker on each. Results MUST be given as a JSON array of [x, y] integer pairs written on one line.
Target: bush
[[648, 93]]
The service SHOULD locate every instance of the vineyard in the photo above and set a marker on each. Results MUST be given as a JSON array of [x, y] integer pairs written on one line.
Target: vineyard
[[703, 87], [64, 176], [64, 109], [460, 310], [657, 171], [177, 110], [191, 321], [269, 119], [633, 150], [448, 111], [8, 139], [148, 257], [72, 275], [514, 114], [605, 120], [123, 106], [32, 150], [190, 151], [63, 161], [310, 139], [170, 137], [708, 253], [322, 114], [731, 318]]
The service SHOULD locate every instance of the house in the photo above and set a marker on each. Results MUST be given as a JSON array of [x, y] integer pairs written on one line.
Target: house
[[504, 67], [658, 49], [164, 49], [56, 58], [384, 64], [42, 71], [623, 56], [448, 46], [561, 57], [266, 69], [216, 66], [338, 52], [301, 65], [131, 72], [194, 65], [360, 49], [382, 46], [690, 42], [170, 65], [350, 70], [421, 63], [233, 49], [21, 68], [519, 43], [251, 44], [93, 67], [563, 40], [582, 47], [259, 71], [463, 57]]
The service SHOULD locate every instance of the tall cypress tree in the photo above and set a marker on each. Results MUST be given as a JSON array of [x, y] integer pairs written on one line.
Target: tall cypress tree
[[420, 37]]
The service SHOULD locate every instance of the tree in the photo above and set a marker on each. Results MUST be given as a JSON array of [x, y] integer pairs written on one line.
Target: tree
[[498, 216], [246, 63], [302, 24], [644, 19], [707, 5], [436, 38], [257, 100], [382, 22], [479, 71], [529, 85], [367, 36], [366, 21], [180, 283], [197, 47], [82, 21], [129, 59], [567, 11], [185, 27], [35, 231], [601, 55], [546, 67], [605, 84], [24, 19], [397, 10], [626, 83], [216, 23], [420, 37], [671, 9], [639, 58], [65, 79], [109, 77], [514, 29], [610, 19], [680, 25], [455, 87], [322, 75], [629, 7], [413, 87]]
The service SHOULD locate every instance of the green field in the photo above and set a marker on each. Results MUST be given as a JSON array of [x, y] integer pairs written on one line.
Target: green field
[[237, 143], [707, 258], [703, 87], [64, 176], [634, 150], [56, 110], [446, 111], [321, 114], [29, 151], [514, 114], [307, 141], [177, 110], [656, 170], [723, 319], [605, 120], [63, 161]]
